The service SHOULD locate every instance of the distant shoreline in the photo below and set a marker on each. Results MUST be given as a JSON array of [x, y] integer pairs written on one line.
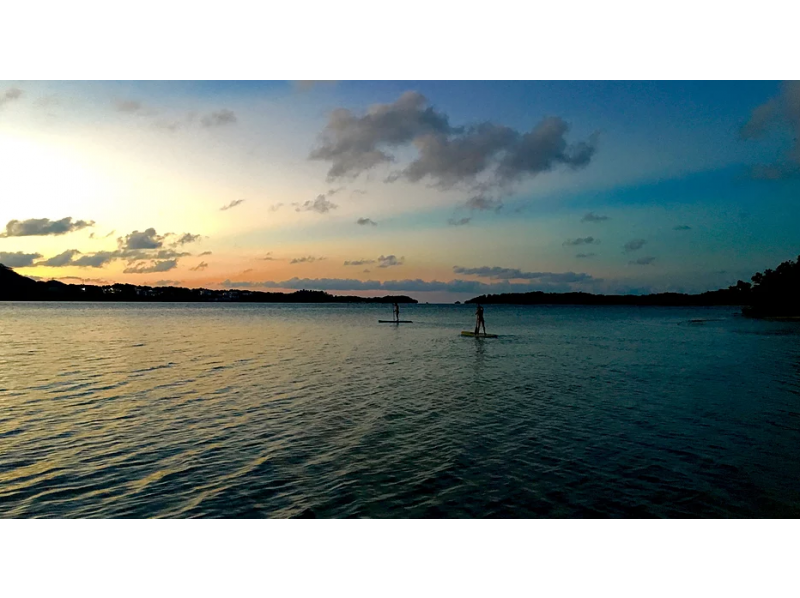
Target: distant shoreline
[[15, 287], [724, 297]]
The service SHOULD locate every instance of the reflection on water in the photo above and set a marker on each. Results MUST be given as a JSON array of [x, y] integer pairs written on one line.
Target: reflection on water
[[202, 410]]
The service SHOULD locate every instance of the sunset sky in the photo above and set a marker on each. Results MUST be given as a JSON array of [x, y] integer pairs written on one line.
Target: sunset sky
[[440, 190]]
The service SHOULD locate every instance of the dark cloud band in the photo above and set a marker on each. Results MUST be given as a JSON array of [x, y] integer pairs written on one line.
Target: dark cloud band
[[44, 226], [446, 155]]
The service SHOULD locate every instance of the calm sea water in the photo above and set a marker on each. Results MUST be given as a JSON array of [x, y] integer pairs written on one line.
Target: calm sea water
[[207, 410]]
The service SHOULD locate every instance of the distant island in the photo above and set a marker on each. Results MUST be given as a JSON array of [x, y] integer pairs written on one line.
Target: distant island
[[772, 294], [15, 287]]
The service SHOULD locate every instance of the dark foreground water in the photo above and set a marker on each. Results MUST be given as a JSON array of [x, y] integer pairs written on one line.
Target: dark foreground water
[[171, 410]]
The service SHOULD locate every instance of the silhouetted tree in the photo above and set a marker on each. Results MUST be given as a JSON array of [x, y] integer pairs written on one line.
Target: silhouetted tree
[[776, 292]]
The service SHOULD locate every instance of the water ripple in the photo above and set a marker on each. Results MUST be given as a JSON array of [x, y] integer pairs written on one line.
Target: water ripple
[[317, 411]]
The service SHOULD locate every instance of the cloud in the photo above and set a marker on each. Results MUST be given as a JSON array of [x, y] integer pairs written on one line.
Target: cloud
[[161, 254], [62, 259], [499, 273], [136, 248], [18, 259], [643, 261], [775, 172], [143, 245], [384, 261], [592, 217], [232, 204], [10, 95], [351, 143], [275, 207], [682, 227], [171, 125], [169, 283], [761, 119], [581, 241], [96, 260], [544, 148], [147, 239], [634, 245], [128, 106], [451, 157], [366, 221], [446, 155], [387, 261], [306, 260], [327, 284], [186, 238], [204, 253], [43, 226], [154, 266], [320, 205], [482, 203], [585, 255], [359, 262], [199, 267], [782, 112], [219, 118], [268, 257], [459, 222]]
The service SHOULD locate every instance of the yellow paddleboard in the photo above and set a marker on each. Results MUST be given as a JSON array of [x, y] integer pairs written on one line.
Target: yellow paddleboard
[[479, 335]]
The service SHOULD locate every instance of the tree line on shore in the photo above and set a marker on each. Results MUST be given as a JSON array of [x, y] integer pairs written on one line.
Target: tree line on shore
[[16, 287], [772, 293]]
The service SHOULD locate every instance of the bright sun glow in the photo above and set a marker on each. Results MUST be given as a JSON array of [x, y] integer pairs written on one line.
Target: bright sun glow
[[39, 178]]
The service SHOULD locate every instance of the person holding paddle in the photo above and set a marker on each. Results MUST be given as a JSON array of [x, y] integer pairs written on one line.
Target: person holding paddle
[[396, 312], [479, 320]]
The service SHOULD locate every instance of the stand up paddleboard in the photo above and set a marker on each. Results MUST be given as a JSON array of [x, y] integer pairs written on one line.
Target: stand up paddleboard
[[395, 322], [479, 335]]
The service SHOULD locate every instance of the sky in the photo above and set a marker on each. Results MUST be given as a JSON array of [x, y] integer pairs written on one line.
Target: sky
[[441, 190]]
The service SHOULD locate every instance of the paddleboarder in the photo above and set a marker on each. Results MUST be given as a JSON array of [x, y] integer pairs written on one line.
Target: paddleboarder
[[479, 320], [396, 312]]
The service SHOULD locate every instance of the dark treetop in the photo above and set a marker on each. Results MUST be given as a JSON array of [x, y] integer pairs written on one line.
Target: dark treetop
[[775, 293]]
